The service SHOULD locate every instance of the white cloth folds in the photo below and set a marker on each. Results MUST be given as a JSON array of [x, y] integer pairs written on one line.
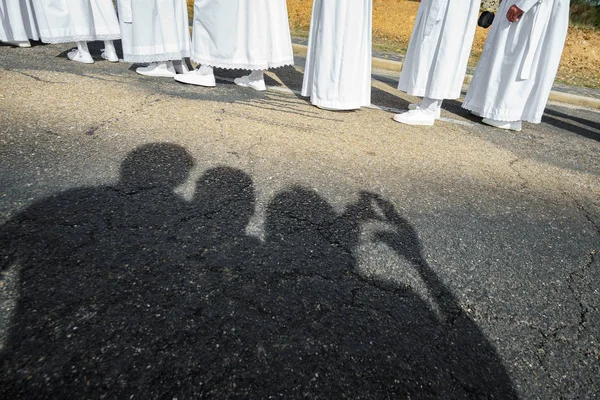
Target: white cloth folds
[[436, 61], [516, 71], [63, 21], [158, 31], [242, 34], [337, 74], [17, 21], [126, 14]]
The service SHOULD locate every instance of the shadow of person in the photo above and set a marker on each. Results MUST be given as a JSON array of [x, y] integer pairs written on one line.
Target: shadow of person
[[95, 269], [223, 204], [126, 291], [327, 331]]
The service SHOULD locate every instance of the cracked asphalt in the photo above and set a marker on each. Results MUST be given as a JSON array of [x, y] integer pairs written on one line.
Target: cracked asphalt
[[165, 241]]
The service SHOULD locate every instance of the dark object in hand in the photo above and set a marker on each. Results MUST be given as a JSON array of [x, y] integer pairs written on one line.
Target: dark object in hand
[[485, 19]]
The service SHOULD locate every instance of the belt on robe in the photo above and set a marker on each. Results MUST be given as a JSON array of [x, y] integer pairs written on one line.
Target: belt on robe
[[126, 11], [540, 21], [438, 8]]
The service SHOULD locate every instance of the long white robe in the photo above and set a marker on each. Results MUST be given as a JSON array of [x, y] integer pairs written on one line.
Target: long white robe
[[17, 21], [519, 62], [337, 74], [64, 21], [154, 30], [436, 61], [242, 34]]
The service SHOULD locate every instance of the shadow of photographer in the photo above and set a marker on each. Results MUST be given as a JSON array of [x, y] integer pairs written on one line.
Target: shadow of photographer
[[128, 290]]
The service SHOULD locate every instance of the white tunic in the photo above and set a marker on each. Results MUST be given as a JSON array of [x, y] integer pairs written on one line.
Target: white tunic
[[337, 74], [436, 61], [519, 62], [17, 21], [63, 21], [154, 30], [242, 34]]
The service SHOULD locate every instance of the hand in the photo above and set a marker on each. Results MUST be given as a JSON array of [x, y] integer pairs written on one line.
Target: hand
[[514, 13]]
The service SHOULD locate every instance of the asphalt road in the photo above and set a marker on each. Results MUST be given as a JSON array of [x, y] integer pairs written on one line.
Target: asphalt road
[[167, 241]]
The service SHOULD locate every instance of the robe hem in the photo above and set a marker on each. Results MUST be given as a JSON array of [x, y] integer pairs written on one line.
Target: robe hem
[[431, 95], [500, 115], [149, 58], [337, 105], [82, 38], [240, 65]]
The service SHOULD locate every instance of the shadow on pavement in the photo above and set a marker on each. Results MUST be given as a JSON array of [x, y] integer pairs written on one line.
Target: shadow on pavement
[[572, 124], [128, 291]]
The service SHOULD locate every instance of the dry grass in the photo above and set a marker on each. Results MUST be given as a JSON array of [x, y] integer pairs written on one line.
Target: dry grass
[[393, 21]]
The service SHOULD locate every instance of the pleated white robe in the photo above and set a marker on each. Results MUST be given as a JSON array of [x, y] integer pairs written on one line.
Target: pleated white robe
[[436, 61], [516, 71], [64, 21], [154, 30], [337, 73], [17, 21], [242, 34]]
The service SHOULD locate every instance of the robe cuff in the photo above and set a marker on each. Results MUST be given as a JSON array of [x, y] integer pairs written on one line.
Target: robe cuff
[[526, 5]]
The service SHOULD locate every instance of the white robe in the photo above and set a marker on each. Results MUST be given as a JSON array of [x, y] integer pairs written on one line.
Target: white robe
[[519, 62], [154, 30], [337, 74], [436, 61], [242, 34], [17, 21], [64, 21]]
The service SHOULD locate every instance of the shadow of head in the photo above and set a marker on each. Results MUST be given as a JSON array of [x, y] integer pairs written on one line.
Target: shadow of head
[[226, 195], [297, 211], [156, 165]]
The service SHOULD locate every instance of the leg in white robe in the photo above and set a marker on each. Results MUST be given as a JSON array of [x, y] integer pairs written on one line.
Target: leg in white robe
[[18, 23], [80, 21], [154, 30], [242, 34], [436, 61], [516, 71], [64, 21], [337, 74]]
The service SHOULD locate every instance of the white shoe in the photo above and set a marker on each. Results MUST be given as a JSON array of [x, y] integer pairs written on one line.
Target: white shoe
[[19, 43], [245, 81], [416, 117], [438, 111], [196, 77], [110, 55], [76, 55], [510, 125], [158, 70]]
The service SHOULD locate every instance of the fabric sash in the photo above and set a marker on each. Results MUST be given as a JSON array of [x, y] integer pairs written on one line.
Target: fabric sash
[[435, 15], [127, 12], [540, 22]]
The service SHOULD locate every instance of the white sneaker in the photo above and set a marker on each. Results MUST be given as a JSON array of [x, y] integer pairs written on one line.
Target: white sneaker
[[196, 77], [76, 55], [416, 117], [508, 125], [110, 55], [245, 81], [438, 111], [18, 43], [158, 70]]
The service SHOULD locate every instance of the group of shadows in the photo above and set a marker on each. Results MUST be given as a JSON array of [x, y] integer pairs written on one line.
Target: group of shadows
[[129, 291]]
